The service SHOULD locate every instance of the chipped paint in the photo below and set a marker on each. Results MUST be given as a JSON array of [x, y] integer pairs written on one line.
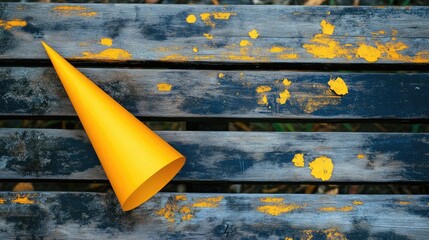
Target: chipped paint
[[262, 89], [208, 36], [245, 43], [221, 75], [357, 202], [361, 156], [23, 200], [327, 28], [403, 202], [2, 200], [253, 34], [7, 25], [108, 54], [369, 53], [208, 202], [195, 49], [74, 11], [322, 168], [181, 197], [298, 160], [106, 41], [164, 87], [337, 209], [271, 199], [338, 86], [276, 210], [191, 18]]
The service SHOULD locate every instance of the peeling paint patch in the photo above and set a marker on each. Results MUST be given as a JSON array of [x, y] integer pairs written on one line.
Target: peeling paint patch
[[208, 202], [191, 18], [327, 28], [338, 86], [253, 34], [369, 53], [106, 41], [337, 209], [271, 199], [357, 202], [298, 160], [322, 168], [164, 87], [108, 54], [23, 200], [7, 25]]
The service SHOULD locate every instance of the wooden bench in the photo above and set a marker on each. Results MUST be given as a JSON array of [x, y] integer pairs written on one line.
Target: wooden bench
[[207, 66]]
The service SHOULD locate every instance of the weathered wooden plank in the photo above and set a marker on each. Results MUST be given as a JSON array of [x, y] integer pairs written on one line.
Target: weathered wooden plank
[[216, 34], [184, 94], [230, 156], [208, 216]]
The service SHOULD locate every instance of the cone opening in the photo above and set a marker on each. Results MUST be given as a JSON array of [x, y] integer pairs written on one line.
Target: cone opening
[[153, 185]]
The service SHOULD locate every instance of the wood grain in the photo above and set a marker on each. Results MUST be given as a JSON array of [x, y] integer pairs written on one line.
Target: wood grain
[[227, 156], [161, 33], [209, 216], [198, 94]]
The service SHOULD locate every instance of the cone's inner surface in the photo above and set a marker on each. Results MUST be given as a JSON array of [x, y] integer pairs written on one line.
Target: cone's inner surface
[[153, 185]]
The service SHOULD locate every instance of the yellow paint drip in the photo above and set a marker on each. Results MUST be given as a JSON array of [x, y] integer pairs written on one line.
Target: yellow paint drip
[[106, 41], [108, 54], [208, 202], [261, 89], [327, 28], [271, 200], [338, 86], [283, 97], [6, 25], [23, 200], [164, 87], [221, 75], [195, 49], [369, 53], [254, 34], [191, 18], [2, 200], [208, 36], [337, 209], [286, 82], [357, 202], [245, 43], [298, 160], [276, 210], [361, 156], [404, 202], [181, 197], [322, 168]]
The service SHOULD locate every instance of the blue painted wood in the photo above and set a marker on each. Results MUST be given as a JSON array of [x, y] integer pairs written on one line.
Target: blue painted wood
[[227, 156], [197, 94], [161, 32], [51, 215]]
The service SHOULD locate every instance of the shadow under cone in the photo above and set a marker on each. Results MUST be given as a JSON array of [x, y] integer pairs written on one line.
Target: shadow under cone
[[137, 162]]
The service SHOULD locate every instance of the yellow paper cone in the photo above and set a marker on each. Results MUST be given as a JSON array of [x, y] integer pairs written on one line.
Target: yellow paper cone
[[137, 162]]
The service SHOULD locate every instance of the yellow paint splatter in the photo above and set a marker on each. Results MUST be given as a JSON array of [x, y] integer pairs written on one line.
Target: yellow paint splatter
[[181, 197], [261, 89], [369, 53], [168, 212], [106, 41], [323, 46], [254, 34], [278, 209], [263, 100], [208, 36], [87, 14], [208, 202], [187, 217], [174, 57], [108, 54], [334, 234], [337, 209], [6, 25], [298, 160], [2, 200], [206, 17], [288, 56], [69, 8], [271, 199], [327, 28], [404, 202], [381, 32], [221, 75], [164, 87], [286, 82], [195, 49], [283, 97], [322, 168], [74, 11], [328, 13], [357, 202], [223, 15], [288, 238], [277, 49], [320, 97], [361, 156], [23, 200], [191, 18], [338, 86], [245, 43]]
